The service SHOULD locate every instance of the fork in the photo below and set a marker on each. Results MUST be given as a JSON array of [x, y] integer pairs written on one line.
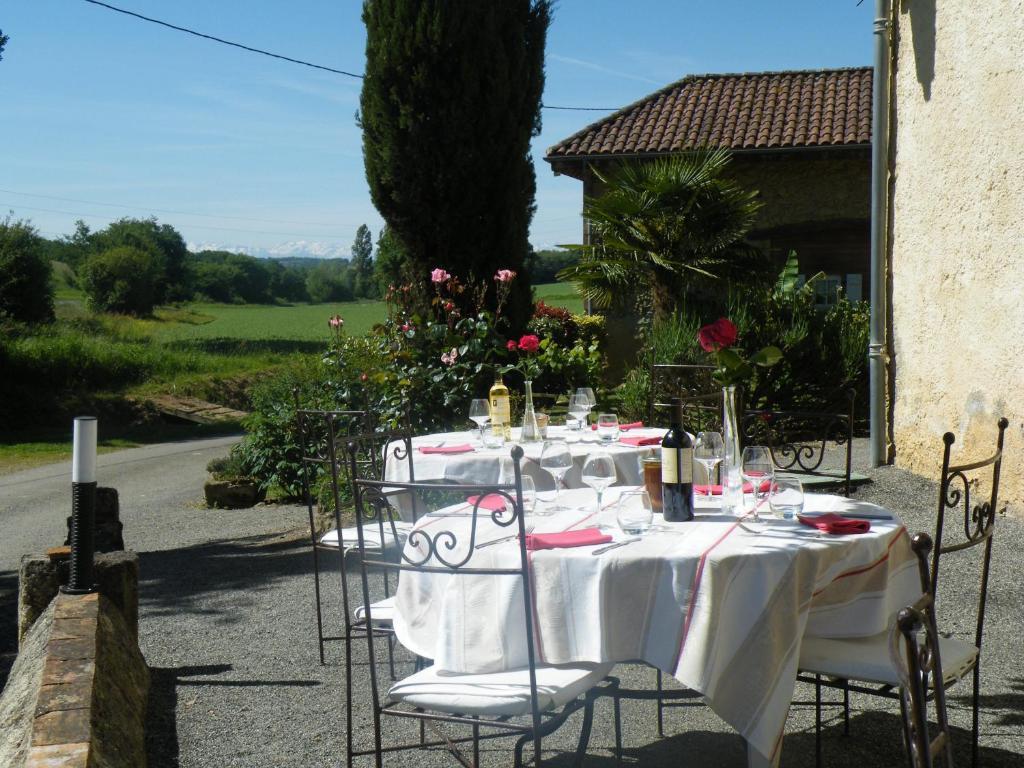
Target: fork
[[609, 547]]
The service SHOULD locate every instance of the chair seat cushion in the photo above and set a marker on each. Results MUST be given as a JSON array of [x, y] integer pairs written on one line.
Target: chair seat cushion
[[371, 534], [868, 659], [497, 693], [383, 611]]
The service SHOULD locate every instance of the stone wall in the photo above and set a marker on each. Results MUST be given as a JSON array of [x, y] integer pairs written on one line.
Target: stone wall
[[76, 697], [957, 237]]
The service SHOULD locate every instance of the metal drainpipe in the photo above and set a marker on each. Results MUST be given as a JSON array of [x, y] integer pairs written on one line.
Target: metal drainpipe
[[879, 215]]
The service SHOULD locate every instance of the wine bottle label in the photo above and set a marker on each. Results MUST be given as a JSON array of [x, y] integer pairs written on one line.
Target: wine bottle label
[[676, 472], [501, 412]]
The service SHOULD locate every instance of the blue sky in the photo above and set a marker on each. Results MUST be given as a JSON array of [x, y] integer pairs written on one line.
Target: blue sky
[[240, 150]]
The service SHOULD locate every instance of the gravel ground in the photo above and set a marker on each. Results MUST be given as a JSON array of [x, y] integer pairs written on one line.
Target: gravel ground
[[227, 626]]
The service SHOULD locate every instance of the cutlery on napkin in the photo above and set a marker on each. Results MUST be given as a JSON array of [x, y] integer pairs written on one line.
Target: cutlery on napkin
[[464, 448], [830, 522], [585, 537]]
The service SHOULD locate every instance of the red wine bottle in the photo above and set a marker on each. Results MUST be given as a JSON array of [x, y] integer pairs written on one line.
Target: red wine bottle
[[677, 469]]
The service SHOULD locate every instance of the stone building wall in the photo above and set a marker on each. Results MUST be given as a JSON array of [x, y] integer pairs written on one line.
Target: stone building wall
[[957, 234]]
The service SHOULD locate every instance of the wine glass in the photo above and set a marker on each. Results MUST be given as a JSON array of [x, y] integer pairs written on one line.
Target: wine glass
[[579, 407], [556, 458], [709, 450], [529, 495], [599, 473], [480, 412], [635, 512], [757, 468], [588, 393], [607, 427]]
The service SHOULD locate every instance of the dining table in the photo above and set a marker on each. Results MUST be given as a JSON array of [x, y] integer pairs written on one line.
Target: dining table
[[461, 457], [721, 603]]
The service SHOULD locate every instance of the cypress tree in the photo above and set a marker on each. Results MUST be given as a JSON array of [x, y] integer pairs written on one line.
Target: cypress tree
[[450, 102]]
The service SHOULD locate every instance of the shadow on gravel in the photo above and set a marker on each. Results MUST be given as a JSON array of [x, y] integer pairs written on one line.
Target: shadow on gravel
[[8, 622], [161, 715]]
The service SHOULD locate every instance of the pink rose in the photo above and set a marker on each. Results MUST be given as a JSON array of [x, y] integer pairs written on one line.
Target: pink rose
[[512, 346], [439, 276], [335, 321], [717, 335], [504, 275], [529, 343], [363, 377], [406, 326], [449, 358]]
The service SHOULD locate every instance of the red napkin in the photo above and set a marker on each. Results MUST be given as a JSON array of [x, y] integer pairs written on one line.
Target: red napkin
[[464, 448], [634, 425], [493, 501], [581, 538], [833, 523], [716, 490], [639, 441]]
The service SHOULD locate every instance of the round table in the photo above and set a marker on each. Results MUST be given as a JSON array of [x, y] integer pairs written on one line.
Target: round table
[[720, 603]]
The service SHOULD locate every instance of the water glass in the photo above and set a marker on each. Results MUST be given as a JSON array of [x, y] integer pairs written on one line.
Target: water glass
[[529, 495], [635, 512], [492, 439], [607, 427], [786, 498]]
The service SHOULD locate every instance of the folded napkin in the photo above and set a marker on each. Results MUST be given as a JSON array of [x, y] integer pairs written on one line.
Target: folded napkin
[[634, 425], [833, 523], [584, 537], [492, 501], [639, 441], [716, 490], [464, 448]]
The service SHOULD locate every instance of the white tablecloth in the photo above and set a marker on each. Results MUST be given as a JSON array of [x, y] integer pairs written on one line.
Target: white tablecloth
[[483, 465], [719, 603]]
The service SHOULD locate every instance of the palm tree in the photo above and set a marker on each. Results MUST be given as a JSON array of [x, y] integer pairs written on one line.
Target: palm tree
[[675, 223]]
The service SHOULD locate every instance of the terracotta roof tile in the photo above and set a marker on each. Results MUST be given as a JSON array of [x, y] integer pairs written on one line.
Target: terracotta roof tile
[[760, 110]]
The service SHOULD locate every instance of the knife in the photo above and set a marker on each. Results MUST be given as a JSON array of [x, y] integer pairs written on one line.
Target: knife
[[609, 547]]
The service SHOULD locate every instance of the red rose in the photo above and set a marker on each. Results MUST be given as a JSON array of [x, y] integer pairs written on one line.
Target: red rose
[[529, 343], [718, 335], [511, 346]]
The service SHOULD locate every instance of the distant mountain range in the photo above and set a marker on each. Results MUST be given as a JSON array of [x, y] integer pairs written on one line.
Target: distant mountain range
[[297, 250]]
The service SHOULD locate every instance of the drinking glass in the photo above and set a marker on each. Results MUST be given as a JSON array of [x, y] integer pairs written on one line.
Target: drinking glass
[[709, 450], [757, 468], [607, 427], [786, 497], [480, 412], [635, 512], [529, 495], [599, 473], [556, 458], [588, 393], [579, 407]]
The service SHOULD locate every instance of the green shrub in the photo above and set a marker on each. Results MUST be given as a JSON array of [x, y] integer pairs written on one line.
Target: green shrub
[[121, 279], [26, 293]]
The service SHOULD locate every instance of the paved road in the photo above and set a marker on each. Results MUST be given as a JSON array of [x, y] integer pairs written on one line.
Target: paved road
[[226, 625]]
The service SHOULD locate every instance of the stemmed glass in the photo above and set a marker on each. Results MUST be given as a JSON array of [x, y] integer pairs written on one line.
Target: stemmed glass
[[480, 412], [588, 393], [709, 450], [556, 458], [757, 468], [599, 473], [579, 407]]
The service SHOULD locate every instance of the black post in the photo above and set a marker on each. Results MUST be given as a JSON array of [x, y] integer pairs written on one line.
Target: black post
[[83, 525]]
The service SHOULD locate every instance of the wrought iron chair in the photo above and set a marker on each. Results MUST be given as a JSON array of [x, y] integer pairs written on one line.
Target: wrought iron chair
[[685, 381], [530, 702], [324, 437], [835, 663], [915, 653], [798, 441]]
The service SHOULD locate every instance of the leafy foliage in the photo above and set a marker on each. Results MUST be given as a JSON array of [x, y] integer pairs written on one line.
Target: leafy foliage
[[25, 290], [165, 247], [676, 222], [122, 279], [450, 102]]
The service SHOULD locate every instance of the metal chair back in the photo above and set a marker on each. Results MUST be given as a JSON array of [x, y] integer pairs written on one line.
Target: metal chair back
[[798, 440], [914, 649], [679, 380], [445, 548]]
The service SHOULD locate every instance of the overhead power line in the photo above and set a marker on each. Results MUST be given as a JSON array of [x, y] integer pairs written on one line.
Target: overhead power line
[[167, 210], [262, 52]]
